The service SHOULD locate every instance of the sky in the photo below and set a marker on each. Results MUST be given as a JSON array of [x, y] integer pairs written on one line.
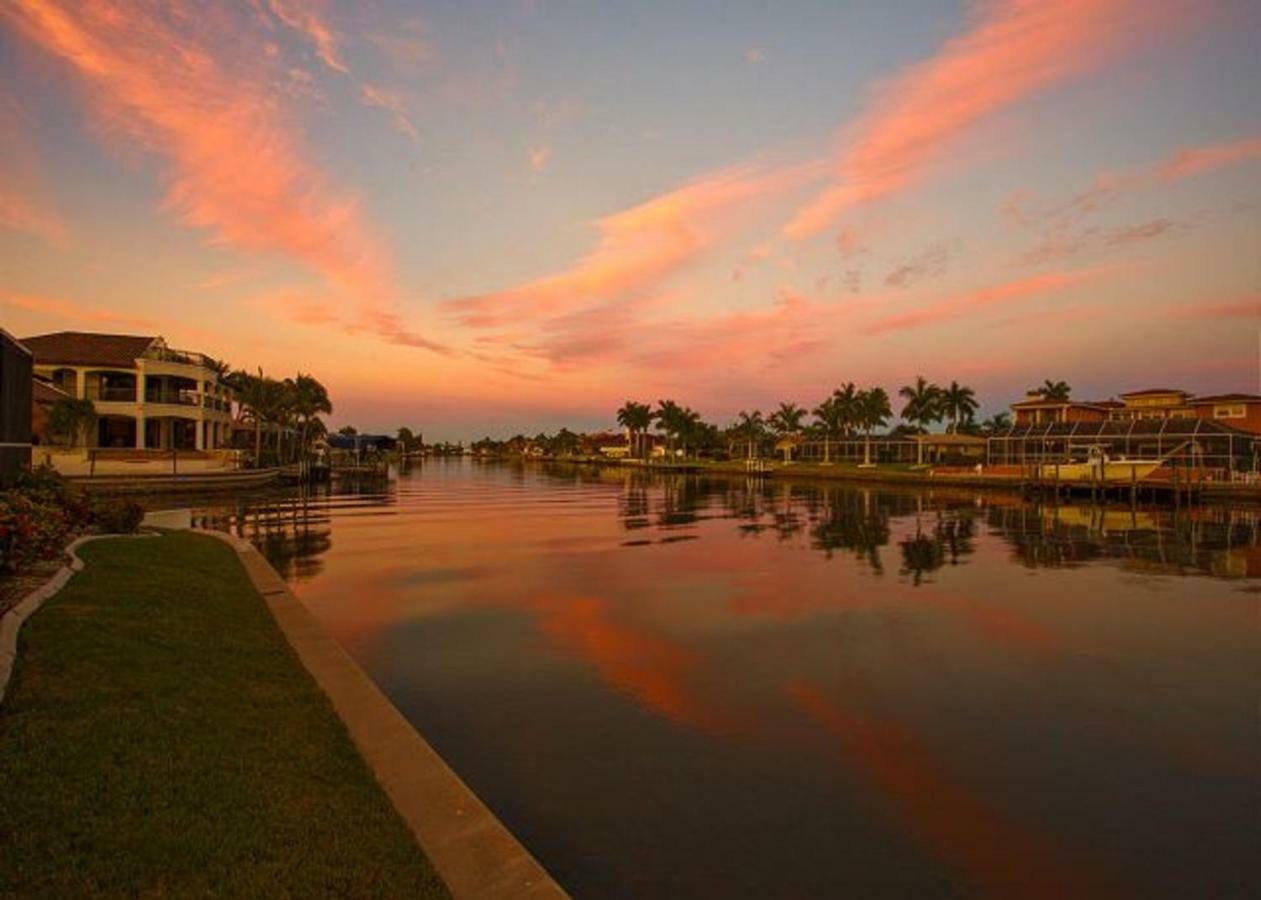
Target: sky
[[492, 217]]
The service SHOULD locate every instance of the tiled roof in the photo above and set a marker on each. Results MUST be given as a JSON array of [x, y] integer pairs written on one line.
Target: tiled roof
[[1228, 398], [1152, 392], [88, 349], [1042, 402]]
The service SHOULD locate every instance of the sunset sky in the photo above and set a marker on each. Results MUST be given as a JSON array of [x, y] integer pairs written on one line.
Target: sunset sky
[[477, 217]]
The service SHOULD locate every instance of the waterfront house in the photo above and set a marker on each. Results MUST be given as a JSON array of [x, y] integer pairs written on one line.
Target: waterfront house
[[1036, 409], [1153, 404], [1241, 411], [147, 395]]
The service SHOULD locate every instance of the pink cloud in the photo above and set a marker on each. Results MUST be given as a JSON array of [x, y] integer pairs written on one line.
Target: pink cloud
[[234, 167], [1246, 306], [305, 17], [70, 311], [638, 248], [1016, 49], [1206, 158], [392, 102], [1188, 162], [974, 301]]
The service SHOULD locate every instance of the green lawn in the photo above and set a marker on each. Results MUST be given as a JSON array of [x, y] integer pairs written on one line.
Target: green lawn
[[160, 739]]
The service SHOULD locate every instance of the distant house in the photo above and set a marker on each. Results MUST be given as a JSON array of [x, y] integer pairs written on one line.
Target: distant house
[[1239, 411], [147, 395], [15, 407], [606, 443], [1154, 403], [1037, 409], [380, 443], [1242, 411]]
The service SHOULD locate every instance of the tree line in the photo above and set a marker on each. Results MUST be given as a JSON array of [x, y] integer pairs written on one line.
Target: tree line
[[848, 413]]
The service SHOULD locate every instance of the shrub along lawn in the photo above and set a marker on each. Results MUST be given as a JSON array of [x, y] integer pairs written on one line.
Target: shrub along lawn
[[160, 738]]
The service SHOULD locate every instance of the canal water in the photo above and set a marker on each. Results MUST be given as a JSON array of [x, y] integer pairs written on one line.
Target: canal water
[[683, 686]]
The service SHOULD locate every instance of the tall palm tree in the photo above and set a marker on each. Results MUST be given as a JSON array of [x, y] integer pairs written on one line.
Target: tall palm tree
[[251, 396], [923, 407], [749, 427], [959, 404], [669, 416], [787, 421], [828, 415], [873, 410], [636, 418], [847, 404], [309, 398], [1053, 390]]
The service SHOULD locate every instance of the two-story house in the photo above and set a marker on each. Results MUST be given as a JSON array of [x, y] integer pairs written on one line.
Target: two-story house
[[146, 394]]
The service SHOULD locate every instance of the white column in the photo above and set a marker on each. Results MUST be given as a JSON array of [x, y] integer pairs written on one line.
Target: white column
[[140, 407]]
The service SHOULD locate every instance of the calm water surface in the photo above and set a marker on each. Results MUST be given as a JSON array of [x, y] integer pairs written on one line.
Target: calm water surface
[[700, 687]]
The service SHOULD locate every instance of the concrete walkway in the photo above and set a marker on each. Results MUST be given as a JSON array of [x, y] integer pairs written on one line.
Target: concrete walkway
[[474, 853]]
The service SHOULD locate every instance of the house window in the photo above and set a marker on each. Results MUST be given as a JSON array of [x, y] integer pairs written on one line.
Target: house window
[[1232, 411]]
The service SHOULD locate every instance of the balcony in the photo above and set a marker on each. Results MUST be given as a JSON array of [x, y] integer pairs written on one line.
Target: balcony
[[172, 396], [113, 394]]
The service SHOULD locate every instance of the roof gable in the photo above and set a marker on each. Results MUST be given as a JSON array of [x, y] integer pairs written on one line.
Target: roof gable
[[87, 348]]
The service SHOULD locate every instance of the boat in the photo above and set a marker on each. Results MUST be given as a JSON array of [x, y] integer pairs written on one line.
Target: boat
[[1099, 467]]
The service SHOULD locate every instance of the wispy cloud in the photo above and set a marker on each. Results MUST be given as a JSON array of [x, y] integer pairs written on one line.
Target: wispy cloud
[[638, 248], [68, 311], [1108, 187], [929, 263], [1016, 49], [305, 17], [1206, 158], [372, 95], [971, 302], [234, 165], [1061, 243]]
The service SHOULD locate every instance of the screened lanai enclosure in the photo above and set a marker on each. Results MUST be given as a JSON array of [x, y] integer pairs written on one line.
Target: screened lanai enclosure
[[1209, 448]]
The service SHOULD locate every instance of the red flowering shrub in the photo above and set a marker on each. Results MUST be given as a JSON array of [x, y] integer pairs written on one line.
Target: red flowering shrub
[[38, 518]]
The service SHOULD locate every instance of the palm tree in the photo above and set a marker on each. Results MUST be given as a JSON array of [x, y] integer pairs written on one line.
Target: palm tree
[[749, 427], [688, 427], [252, 395], [847, 397], [1053, 390], [308, 399], [636, 418], [786, 421], [1000, 421], [923, 407], [669, 417], [873, 410], [828, 415], [959, 404]]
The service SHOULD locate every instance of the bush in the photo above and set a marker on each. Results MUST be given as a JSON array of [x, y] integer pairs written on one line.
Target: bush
[[118, 516], [38, 518]]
